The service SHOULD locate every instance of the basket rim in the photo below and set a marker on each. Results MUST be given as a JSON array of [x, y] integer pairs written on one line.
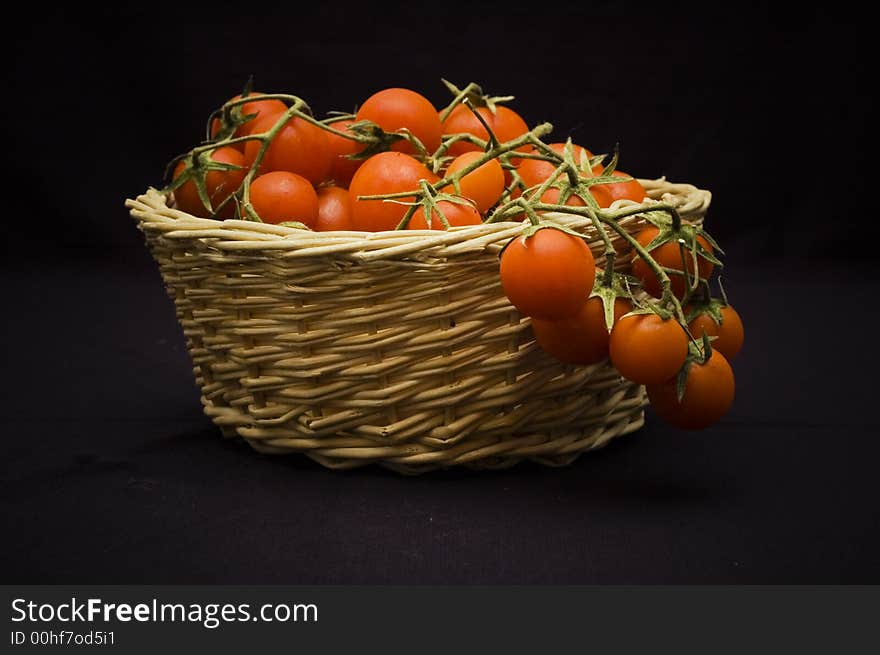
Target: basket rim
[[155, 215]]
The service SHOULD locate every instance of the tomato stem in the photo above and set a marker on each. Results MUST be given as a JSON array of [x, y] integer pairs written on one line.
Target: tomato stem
[[493, 140], [724, 300], [460, 95]]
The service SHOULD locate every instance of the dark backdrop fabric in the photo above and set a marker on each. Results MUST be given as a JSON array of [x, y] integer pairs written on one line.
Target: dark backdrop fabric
[[111, 473]]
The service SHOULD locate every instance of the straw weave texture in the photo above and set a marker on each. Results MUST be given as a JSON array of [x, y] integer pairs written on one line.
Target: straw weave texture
[[396, 348]]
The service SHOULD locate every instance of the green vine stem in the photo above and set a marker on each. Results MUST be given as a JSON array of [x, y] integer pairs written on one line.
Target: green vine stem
[[493, 140], [460, 94]]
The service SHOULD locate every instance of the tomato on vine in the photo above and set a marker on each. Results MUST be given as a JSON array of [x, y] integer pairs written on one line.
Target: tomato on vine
[[548, 274], [669, 255], [282, 196], [484, 185], [397, 109], [334, 210], [385, 173], [256, 109], [535, 171], [648, 349], [456, 213], [583, 338], [729, 333], [504, 122], [708, 394], [605, 194], [219, 184]]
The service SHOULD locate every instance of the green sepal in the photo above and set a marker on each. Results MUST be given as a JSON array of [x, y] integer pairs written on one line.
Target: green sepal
[[430, 207], [681, 379], [296, 224], [336, 116], [249, 213], [708, 237], [712, 308], [609, 293], [611, 166], [596, 160], [475, 95], [195, 169], [381, 140]]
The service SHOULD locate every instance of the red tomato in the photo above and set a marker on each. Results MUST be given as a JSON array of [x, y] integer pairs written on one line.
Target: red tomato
[[334, 210], [548, 275], [343, 168], [284, 196], [646, 349], [483, 185], [396, 109], [581, 339], [219, 185], [299, 147], [455, 213], [535, 171], [505, 123], [261, 108], [605, 194], [386, 172], [708, 395], [669, 256], [729, 333]]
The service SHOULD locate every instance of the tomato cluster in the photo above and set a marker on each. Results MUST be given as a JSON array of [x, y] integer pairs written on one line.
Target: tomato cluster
[[269, 159], [658, 325], [399, 162]]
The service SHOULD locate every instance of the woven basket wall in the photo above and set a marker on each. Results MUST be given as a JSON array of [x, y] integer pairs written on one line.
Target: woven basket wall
[[397, 348]]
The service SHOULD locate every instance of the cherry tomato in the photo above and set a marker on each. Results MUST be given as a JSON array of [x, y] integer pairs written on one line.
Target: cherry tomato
[[396, 109], [284, 196], [386, 172], [334, 210], [268, 107], [455, 213], [343, 168], [669, 256], [605, 194], [581, 339], [299, 147], [549, 275], [484, 185], [505, 123], [708, 395], [646, 349], [730, 332], [535, 171], [219, 185]]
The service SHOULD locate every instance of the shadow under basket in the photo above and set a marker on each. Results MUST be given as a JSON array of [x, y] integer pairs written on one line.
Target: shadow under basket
[[393, 348]]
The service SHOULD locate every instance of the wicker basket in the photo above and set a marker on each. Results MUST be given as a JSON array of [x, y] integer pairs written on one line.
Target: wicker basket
[[397, 348]]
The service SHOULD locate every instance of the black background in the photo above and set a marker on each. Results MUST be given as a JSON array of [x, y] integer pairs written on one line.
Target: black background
[[112, 474]]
